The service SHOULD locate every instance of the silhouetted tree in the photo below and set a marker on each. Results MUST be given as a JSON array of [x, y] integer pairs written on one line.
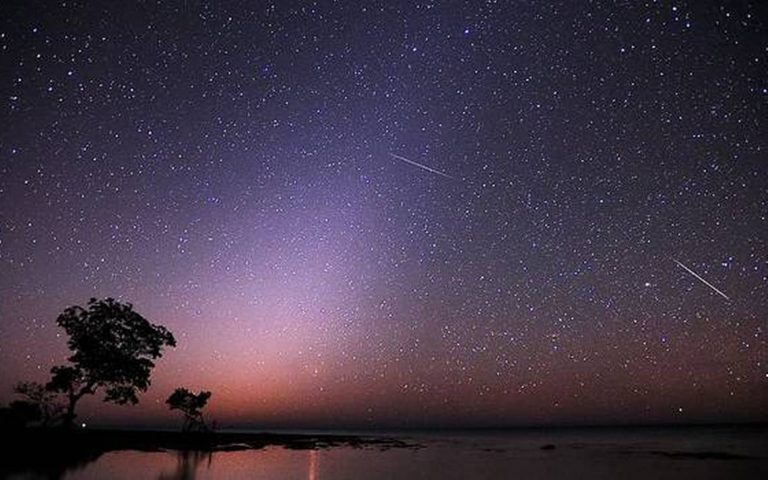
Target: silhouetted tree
[[7, 420], [46, 401], [114, 348], [18, 414], [191, 405]]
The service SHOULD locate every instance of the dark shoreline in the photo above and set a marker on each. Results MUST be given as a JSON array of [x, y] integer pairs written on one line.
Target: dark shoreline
[[54, 451]]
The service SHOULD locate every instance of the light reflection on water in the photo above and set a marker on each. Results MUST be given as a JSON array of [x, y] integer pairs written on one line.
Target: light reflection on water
[[312, 465]]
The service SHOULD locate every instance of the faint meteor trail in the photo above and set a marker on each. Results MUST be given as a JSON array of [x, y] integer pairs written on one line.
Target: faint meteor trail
[[704, 281], [423, 167]]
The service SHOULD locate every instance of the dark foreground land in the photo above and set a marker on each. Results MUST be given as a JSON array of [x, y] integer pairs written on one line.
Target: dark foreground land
[[56, 450]]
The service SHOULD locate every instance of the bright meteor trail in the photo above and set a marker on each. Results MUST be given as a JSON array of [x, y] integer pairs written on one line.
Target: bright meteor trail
[[423, 167], [704, 281]]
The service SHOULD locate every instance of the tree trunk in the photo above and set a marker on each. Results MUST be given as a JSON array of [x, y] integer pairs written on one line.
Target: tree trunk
[[68, 420]]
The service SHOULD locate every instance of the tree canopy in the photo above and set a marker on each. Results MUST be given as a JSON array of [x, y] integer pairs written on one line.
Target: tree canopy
[[114, 349], [191, 405]]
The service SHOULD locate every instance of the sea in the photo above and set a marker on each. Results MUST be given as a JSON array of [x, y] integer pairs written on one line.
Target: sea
[[733, 452]]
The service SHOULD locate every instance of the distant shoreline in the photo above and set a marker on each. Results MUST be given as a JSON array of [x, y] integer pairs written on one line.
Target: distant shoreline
[[391, 431]]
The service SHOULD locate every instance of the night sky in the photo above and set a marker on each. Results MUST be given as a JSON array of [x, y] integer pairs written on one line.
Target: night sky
[[396, 213]]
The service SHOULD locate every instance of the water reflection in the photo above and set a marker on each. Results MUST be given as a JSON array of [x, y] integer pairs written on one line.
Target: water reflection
[[268, 463], [197, 465], [579, 454], [313, 456], [187, 464]]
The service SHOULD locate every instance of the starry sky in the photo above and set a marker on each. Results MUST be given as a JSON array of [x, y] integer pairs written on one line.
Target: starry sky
[[396, 213]]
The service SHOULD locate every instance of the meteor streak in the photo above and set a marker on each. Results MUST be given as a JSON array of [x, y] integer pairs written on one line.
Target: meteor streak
[[704, 281], [423, 167]]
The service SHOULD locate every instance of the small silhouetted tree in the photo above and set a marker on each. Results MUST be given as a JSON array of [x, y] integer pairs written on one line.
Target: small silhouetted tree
[[44, 401], [20, 414], [191, 405], [113, 349]]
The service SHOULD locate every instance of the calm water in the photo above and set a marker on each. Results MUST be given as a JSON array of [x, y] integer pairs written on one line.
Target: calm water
[[587, 453]]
